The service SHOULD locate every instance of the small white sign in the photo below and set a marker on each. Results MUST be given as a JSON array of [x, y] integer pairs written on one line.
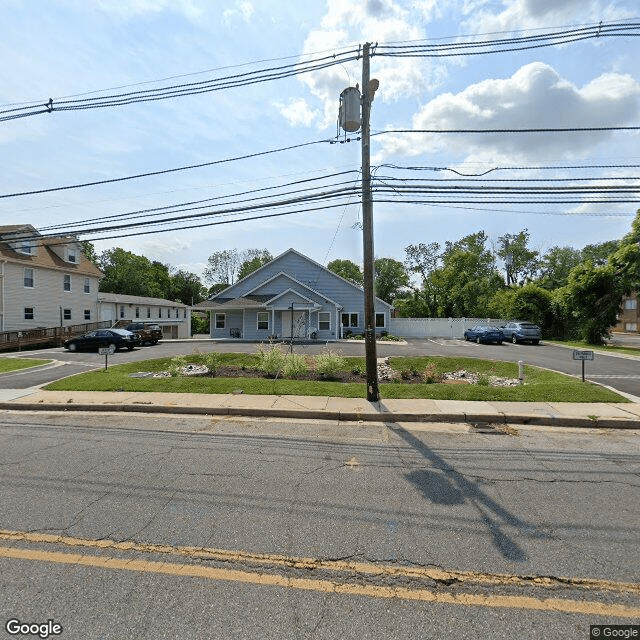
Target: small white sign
[[106, 351], [582, 355]]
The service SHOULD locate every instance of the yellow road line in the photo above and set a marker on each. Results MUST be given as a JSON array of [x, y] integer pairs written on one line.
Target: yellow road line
[[298, 562], [325, 586]]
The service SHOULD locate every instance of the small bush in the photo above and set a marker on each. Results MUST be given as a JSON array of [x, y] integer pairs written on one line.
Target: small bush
[[178, 363], [430, 375], [212, 361], [270, 360], [294, 366], [483, 380], [329, 363]]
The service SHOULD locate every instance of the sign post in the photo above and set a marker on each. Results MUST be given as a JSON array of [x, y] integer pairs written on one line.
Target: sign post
[[106, 352], [582, 355]]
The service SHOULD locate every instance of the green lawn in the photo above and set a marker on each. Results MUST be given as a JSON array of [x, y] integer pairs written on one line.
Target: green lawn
[[607, 348], [15, 364], [540, 384]]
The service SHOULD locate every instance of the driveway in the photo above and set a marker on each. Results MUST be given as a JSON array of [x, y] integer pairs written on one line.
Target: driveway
[[619, 373]]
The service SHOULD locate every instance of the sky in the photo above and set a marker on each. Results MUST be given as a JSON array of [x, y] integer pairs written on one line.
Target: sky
[[74, 48]]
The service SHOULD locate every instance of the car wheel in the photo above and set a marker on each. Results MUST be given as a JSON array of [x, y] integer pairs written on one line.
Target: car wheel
[[514, 339], [111, 345], [478, 340], [73, 347], [535, 341]]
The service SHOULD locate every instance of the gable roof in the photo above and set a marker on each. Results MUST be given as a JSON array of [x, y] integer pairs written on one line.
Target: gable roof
[[294, 280], [313, 262]]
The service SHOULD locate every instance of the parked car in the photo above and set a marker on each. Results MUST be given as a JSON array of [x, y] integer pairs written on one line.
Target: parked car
[[521, 332], [147, 332], [116, 338], [484, 333]]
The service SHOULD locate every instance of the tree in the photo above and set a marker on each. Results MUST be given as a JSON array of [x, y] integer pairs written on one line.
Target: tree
[[599, 253], [556, 264], [126, 273], [253, 259], [521, 263], [422, 259], [186, 287], [391, 278], [225, 267], [90, 251], [347, 270]]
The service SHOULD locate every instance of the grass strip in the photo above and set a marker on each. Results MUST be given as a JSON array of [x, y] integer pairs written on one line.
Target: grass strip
[[540, 385], [15, 364]]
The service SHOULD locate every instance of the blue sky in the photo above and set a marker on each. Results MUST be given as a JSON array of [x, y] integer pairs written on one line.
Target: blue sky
[[71, 47]]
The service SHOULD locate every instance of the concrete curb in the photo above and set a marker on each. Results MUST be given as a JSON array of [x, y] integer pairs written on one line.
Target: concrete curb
[[343, 416]]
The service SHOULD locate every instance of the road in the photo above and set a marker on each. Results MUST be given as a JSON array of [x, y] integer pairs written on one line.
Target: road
[[324, 530], [622, 374]]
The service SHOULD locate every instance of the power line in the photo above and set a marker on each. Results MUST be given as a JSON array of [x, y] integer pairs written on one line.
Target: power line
[[160, 172]]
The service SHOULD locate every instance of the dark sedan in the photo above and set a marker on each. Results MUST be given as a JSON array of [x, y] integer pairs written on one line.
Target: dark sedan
[[112, 338], [484, 333]]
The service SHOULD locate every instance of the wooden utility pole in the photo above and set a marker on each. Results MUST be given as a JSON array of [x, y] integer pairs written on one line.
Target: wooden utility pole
[[373, 392]]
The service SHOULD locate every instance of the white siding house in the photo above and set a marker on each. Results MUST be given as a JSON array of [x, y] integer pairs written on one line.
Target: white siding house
[[174, 318], [44, 282]]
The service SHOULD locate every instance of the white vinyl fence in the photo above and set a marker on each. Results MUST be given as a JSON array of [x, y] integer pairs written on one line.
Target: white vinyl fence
[[436, 327]]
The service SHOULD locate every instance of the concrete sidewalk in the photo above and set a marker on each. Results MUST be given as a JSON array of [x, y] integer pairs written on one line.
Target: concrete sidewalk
[[593, 415]]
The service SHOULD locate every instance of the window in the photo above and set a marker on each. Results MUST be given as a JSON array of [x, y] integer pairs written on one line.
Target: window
[[87, 314], [380, 320], [26, 248], [66, 282], [148, 312], [87, 285], [185, 312], [349, 319], [71, 255], [324, 321], [28, 313], [630, 303], [28, 278], [159, 312], [122, 312], [629, 326], [220, 320], [137, 312], [263, 320], [177, 312], [66, 314]]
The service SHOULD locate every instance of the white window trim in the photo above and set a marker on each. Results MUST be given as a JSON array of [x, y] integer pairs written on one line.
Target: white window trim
[[258, 314], [351, 313], [72, 256], [87, 285], [224, 321], [33, 278], [87, 312], [33, 313], [64, 283], [384, 319], [324, 313]]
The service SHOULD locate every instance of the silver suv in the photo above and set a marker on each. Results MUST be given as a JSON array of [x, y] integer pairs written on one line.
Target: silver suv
[[521, 332]]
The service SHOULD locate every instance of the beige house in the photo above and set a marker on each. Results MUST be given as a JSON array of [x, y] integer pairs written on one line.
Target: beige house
[[44, 282], [629, 316], [174, 318]]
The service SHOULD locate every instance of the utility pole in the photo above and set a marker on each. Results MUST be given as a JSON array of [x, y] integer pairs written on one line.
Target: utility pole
[[373, 392]]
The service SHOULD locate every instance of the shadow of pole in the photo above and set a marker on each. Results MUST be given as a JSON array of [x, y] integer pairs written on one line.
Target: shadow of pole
[[493, 515]]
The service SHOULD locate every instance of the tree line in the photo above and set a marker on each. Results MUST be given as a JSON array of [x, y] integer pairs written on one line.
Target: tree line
[[570, 293]]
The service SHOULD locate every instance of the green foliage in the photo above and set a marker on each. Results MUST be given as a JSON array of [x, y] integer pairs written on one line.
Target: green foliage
[[521, 263], [391, 278], [556, 265], [329, 363], [253, 259], [430, 374], [186, 287], [229, 265], [347, 270], [271, 359], [211, 360], [295, 365], [177, 364], [199, 324]]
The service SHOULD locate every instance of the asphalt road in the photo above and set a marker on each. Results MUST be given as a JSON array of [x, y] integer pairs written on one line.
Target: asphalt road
[[622, 374], [455, 534]]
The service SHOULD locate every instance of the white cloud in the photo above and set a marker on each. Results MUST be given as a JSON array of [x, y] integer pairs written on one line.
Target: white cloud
[[349, 22], [243, 10], [297, 112], [132, 8], [528, 14], [534, 97]]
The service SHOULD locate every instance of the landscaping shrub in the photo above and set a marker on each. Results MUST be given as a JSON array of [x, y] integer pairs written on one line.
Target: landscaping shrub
[[271, 360], [294, 365], [329, 363]]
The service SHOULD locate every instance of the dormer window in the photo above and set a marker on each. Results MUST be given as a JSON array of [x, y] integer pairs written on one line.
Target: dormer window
[[25, 248], [71, 255]]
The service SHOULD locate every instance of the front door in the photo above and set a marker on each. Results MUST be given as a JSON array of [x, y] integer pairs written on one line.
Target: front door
[[299, 324]]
